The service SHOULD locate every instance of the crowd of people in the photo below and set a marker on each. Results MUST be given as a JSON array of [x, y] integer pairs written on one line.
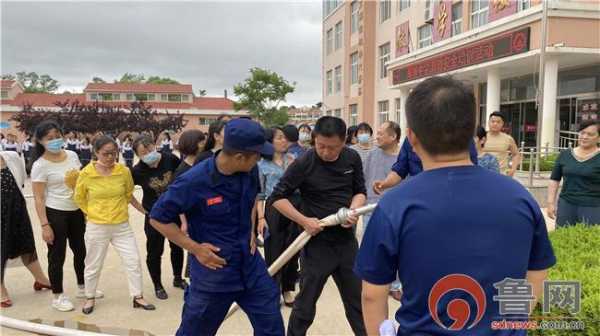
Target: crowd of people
[[445, 199]]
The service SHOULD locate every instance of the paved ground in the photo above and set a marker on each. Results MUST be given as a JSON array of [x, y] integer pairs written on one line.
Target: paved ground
[[115, 309]]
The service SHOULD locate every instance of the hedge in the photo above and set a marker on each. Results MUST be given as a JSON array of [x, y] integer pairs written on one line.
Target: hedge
[[577, 250]]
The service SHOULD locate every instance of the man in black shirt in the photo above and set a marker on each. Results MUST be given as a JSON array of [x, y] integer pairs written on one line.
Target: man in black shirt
[[329, 177], [154, 172]]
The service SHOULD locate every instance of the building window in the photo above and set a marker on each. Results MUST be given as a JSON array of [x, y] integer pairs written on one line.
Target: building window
[[457, 18], [164, 97], [385, 10], [330, 5], [175, 98], [398, 107], [384, 107], [384, 57], [424, 36], [353, 114], [338, 35], [329, 82], [116, 96], [337, 113], [205, 121], [151, 96], [354, 68], [428, 10], [479, 13], [141, 96], [354, 16], [403, 4], [329, 41], [129, 96], [523, 5], [94, 96], [106, 96], [328, 112], [4, 94], [184, 97], [338, 78]]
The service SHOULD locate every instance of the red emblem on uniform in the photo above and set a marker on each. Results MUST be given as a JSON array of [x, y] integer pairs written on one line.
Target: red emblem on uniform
[[214, 200]]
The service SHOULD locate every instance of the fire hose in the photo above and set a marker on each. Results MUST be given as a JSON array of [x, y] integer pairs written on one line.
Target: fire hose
[[336, 219]]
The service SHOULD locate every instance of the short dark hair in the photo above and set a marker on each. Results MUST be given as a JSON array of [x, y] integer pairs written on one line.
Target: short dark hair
[[142, 139], [587, 123], [363, 126], [214, 128], [498, 114], [291, 133], [441, 113], [102, 141], [329, 126], [350, 134], [305, 126], [41, 130], [189, 140], [395, 128]]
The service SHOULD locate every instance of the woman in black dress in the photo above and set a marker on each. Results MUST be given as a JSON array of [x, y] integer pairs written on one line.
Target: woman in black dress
[[17, 235]]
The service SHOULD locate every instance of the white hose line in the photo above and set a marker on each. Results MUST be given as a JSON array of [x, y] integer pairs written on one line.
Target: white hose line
[[44, 329]]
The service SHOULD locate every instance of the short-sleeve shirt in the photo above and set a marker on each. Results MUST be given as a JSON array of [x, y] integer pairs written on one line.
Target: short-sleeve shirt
[[324, 187], [154, 181], [499, 145], [377, 165], [58, 195], [454, 220], [218, 209], [488, 161], [581, 184], [409, 163], [270, 173]]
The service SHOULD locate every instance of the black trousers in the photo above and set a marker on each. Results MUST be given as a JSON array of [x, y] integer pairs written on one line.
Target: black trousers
[[319, 260], [67, 226], [282, 233], [155, 246]]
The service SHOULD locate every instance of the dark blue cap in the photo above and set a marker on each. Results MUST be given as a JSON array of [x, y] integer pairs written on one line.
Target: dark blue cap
[[246, 135]]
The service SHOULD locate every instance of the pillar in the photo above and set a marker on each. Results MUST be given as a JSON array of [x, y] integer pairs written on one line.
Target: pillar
[[492, 93], [549, 132], [403, 94]]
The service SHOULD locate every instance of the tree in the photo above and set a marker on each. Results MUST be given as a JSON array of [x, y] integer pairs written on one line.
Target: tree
[[98, 80], [261, 95], [276, 117], [8, 77], [95, 117], [34, 83], [131, 78], [201, 93], [159, 80]]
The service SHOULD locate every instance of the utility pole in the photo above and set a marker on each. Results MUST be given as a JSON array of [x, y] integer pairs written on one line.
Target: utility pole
[[541, 76]]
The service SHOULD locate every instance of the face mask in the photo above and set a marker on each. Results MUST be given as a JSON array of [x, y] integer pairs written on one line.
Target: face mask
[[151, 158], [304, 137], [363, 138], [55, 145]]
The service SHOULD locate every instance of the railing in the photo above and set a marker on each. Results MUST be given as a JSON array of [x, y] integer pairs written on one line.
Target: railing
[[530, 155], [567, 139]]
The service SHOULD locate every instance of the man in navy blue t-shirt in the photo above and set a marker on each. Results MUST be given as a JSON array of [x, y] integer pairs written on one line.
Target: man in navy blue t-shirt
[[453, 226]]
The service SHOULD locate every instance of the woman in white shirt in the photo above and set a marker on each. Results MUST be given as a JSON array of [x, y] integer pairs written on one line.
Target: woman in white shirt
[[54, 175], [166, 146]]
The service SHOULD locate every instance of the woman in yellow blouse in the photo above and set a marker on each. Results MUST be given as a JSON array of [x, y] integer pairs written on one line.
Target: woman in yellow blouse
[[103, 191]]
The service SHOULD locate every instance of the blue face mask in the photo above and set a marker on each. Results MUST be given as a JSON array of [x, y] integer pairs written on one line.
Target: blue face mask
[[55, 145], [151, 158], [363, 138]]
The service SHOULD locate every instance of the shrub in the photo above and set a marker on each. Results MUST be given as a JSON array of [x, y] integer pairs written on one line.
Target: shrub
[[577, 250]]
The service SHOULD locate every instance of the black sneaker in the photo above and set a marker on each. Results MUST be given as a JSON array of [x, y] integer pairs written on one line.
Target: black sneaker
[[180, 283], [161, 294]]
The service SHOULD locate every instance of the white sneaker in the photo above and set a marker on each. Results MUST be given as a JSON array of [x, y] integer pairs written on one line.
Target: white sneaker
[[81, 294], [62, 303]]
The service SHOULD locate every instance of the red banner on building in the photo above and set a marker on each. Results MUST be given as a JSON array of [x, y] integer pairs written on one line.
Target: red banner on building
[[442, 20], [503, 45], [402, 39], [501, 8]]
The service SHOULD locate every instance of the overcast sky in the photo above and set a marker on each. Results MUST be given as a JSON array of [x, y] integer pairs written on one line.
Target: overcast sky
[[210, 45]]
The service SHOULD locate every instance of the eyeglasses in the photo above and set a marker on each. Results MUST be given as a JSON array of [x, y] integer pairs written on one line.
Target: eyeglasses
[[108, 153]]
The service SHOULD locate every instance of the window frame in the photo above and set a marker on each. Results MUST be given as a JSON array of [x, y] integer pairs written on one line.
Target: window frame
[[424, 42], [384, 58], [337, 79], [353, 117], [383, 115], [385, 10], [481, 13], [354, 68], [457, 22], [329, 82], [354, 9], [329, 41]]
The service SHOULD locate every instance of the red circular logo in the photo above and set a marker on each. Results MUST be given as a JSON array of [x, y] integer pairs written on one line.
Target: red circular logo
[[458, 309], [518, 41]]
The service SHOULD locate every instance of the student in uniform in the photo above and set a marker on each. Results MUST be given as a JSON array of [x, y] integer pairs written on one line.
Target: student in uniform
[[11, 144], [127, 151], [218, 197], [450, 223], [26, 148], [85, 151], [329, 177], [166, 145]]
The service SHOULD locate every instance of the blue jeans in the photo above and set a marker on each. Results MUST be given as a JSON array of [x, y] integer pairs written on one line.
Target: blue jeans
[[570, 214]]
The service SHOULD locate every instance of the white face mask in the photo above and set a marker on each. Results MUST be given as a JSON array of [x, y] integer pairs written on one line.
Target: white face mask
[[304, 137]]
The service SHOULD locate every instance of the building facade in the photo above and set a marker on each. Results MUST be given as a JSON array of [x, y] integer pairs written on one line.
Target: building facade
[[172, 98], [384, 48]]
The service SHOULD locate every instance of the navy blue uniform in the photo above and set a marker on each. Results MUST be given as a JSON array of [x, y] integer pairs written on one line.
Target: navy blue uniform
[[218, 209], [454, 220]]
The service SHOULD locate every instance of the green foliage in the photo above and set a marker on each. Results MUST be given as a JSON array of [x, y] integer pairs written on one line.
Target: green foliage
[[261, 95], [546, 162], [140, 79], [276, 117], [201, 93], [98, 80], [159, 80], [577, 250], [34, 83]]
